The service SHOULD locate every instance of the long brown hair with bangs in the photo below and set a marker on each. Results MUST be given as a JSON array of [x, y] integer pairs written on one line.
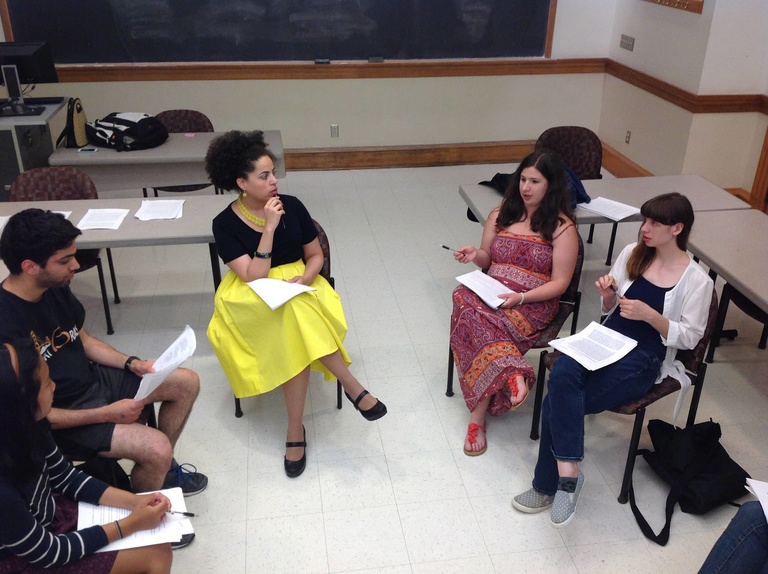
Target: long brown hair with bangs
[[667, 209]]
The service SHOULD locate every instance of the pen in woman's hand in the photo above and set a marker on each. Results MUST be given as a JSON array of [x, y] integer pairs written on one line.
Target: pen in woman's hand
[[181, 513], [446, 247]]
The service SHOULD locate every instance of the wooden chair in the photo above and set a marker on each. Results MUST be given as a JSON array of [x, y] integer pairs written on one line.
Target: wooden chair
[[326, 273], [695, 367], [569, 304], [68, 183], [179, 122]]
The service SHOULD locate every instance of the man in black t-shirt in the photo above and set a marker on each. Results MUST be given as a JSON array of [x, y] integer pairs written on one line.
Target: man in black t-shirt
[[93, 406]]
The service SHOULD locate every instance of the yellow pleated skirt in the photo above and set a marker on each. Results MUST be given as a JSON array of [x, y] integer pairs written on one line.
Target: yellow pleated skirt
[[260, 349]]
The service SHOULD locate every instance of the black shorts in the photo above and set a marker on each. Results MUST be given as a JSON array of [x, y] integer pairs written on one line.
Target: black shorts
[[109, 385]]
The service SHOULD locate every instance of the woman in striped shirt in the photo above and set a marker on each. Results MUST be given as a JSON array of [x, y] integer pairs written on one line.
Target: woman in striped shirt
[[39, 490]]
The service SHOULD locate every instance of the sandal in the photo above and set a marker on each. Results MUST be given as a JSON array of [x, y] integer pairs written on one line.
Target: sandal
[[514, 387], [374, 413], [472, 438]]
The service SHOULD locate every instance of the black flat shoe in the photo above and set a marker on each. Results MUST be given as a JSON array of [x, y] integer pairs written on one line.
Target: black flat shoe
[[374, 413], [294, 468]]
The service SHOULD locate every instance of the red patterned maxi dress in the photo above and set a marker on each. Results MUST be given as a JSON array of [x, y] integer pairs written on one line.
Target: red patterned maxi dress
[[488, 344]]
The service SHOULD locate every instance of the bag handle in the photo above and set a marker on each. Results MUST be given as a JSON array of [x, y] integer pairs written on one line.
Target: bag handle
[[674, 496]]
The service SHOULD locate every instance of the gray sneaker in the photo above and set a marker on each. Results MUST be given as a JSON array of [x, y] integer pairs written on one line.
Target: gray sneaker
[[564, 506], [532, 501]]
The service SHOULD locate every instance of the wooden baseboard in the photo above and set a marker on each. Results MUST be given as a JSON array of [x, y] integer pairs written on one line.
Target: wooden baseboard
[[321, 159], [620, 165]]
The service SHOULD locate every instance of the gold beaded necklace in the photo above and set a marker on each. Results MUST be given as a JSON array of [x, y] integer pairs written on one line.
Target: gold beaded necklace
[[260, 221]]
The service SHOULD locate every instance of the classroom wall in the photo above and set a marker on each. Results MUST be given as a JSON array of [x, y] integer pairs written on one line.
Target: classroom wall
[[722, 51]]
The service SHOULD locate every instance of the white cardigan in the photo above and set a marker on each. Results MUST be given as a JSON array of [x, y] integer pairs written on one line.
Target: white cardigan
[[686, 306]]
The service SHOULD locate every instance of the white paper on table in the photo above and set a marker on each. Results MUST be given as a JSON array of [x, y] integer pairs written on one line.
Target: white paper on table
[[275, 292], [609, 208], [595, 347], [486, 287], [170, 529], [102, 219], [160, 209], [760, 490], [179, 351]]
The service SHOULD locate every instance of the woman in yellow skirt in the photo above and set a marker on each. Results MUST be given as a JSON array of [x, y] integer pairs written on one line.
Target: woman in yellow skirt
[[262, 235]]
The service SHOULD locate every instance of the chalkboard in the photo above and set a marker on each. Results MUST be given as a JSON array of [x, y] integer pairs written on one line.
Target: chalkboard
[[123, 31]]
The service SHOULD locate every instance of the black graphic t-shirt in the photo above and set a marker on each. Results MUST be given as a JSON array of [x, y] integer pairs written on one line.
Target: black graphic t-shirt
[[54, 324]]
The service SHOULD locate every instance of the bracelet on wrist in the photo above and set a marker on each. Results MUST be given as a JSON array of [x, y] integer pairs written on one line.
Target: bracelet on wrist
[[261, 255], [129, 360], [522, 298], [119, 530]]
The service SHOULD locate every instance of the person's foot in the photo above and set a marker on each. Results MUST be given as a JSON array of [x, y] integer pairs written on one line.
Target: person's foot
[[373, 413], [566, 498], [295, 460], [476, 442], [185, 476], [532, 501], [186, 540], [519, 390]]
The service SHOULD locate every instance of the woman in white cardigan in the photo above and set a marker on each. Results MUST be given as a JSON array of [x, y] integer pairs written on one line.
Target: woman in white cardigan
[[654, 294]]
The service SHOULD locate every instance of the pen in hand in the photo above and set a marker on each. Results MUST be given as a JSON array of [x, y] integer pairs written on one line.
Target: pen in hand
[[446, 247], [182, 513]]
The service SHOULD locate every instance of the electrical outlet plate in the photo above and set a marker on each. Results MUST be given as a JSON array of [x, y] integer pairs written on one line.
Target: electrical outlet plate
[[628, 136], [627, 42], [334, 130]]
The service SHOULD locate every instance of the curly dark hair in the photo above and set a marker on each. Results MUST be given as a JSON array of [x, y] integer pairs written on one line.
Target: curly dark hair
[[232, 156], [556, 201], [22, 437], [36, 235]]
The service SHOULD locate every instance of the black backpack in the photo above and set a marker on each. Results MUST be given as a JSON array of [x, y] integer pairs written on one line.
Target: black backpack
[[127, 131]]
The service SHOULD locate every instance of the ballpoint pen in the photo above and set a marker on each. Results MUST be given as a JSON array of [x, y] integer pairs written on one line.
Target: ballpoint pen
[[181, 513], [448, 248]]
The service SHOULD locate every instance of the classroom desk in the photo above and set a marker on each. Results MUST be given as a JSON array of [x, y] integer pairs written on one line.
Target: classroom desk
[[193, 227], [178, 161], [703, 194], [733, 245]]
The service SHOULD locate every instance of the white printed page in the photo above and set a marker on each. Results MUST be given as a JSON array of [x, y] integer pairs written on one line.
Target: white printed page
[[160, 209], [179, 351], [595, 347], [609, 208], [170, 528], [102, 219], [275, 292], [760, 490], [485, 286]]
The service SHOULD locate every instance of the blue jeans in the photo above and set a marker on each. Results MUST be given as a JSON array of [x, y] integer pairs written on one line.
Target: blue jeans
[[573, 392], [743, 546]]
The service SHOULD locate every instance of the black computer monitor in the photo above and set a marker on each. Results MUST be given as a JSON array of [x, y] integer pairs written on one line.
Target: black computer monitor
[[25, 63]]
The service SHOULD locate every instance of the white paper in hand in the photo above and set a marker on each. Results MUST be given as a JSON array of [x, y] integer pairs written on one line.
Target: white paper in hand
[[179, 351], [595, 347], [486, 287], [275, 292]]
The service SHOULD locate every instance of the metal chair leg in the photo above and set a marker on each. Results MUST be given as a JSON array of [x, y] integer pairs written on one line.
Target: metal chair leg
[[631, 455], [539, 397], [589, 238], [338, 394], [449, 382], [238, 410], [112, 274], [104, 298]]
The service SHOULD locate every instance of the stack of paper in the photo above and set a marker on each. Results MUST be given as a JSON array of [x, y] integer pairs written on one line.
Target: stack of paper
[[171, 529], [486, 287], [102, 219], [275, 292], [614, 210], [160, 209], [171, 359], [595, 347]]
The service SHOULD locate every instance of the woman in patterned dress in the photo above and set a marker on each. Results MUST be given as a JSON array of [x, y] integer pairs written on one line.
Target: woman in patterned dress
[[529, 244]]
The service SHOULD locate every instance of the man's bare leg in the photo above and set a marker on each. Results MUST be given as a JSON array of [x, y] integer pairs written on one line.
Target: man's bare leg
[[177, 395], [148, 448]]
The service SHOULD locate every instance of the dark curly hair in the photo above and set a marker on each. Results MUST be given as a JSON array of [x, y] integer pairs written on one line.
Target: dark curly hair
[[36, 235], [232, 155], [556, 201]]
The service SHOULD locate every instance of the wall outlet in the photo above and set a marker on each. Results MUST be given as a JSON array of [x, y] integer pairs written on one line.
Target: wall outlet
[[627, 42], [626, 138], [334, 130]]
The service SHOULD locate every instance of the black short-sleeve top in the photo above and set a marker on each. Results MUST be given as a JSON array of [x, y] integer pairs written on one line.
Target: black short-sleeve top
[[234, 238]]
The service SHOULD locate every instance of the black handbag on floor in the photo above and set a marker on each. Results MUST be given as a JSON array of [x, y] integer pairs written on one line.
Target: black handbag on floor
[[702, 474]]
